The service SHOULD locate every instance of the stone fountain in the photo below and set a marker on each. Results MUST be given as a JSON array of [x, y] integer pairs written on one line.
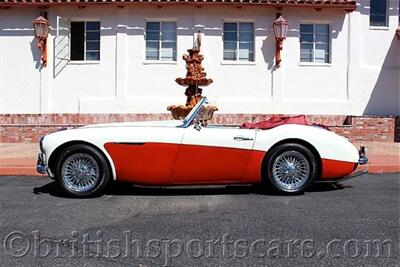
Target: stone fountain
[[195, 77]]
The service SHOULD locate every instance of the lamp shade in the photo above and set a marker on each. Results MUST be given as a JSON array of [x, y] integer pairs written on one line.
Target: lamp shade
[[280, 28], [41, 26]]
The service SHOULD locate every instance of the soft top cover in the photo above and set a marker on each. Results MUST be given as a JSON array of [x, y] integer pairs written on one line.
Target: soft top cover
[[275, 121]]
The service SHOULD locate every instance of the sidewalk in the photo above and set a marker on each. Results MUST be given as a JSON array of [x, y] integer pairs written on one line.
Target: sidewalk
[[20, 158]]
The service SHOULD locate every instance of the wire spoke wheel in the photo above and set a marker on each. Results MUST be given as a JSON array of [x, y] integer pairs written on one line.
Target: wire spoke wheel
[[291, 170], [80, 172]]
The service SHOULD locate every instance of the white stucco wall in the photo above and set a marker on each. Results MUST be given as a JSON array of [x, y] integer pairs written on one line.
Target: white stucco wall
[[363, 77]]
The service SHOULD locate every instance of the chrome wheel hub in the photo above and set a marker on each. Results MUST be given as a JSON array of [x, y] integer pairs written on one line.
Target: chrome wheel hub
[[80, 172], [291, 170]]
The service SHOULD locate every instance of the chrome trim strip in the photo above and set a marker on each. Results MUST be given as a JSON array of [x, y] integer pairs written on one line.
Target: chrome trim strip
[[130, 143]]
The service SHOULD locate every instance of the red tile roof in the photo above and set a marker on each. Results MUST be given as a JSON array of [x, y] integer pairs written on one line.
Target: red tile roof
[[344, 4]]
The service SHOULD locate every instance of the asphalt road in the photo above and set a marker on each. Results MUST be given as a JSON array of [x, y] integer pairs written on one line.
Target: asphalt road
[[355, 224]]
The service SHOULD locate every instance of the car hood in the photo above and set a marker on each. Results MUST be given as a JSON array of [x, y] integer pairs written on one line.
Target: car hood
[[169, 123]]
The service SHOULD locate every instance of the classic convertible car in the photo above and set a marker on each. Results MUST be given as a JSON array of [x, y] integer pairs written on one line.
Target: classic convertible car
[[288, 157]]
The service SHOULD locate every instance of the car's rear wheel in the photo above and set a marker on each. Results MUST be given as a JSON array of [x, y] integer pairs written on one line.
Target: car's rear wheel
[[82, 171], [291, 168]]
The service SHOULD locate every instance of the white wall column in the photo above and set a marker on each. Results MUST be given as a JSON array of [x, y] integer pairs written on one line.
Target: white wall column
[[45, 86], [121, 54], [2, 79]]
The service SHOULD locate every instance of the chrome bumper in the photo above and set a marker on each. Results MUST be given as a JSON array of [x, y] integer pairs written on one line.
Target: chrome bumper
[[41, 165], [362, 159]]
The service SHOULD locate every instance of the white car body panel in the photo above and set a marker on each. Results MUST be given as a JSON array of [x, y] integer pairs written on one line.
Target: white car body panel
[[328, 144], [219, 137], [168, 123], [98, 136]]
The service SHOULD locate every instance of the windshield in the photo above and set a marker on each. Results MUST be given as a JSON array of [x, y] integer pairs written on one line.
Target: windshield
[[192, 114]]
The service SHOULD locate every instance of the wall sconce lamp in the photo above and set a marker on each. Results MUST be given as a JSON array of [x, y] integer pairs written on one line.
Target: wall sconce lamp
[[280, 28], [41, 26]]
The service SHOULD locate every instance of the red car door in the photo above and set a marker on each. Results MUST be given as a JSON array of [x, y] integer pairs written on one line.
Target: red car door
[[213, 155]]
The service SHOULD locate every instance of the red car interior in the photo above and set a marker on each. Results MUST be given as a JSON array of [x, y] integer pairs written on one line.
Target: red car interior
[[275, 121]]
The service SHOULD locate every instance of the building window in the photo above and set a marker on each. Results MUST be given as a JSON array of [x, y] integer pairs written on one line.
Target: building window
[[314, 43], [161, 41], [239, 41], [85, 40], [378, 13]]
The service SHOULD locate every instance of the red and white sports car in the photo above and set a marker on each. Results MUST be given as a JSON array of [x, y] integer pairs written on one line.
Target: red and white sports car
[[288, 157]]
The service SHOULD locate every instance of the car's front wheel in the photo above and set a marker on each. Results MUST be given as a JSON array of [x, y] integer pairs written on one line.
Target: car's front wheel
[[291, 168], [82, 171]]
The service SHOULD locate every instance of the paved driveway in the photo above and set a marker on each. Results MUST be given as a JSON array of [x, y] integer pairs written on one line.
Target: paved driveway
[[356, 224]]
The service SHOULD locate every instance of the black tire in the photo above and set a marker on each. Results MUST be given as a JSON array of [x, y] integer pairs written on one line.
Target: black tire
[[276, 156], [103, 173]]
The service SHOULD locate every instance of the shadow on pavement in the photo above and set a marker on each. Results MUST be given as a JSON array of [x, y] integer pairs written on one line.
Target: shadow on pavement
[[322, 187], [126, 189], [49, 188]]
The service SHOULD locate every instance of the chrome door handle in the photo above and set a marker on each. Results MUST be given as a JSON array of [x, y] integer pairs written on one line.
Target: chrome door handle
[[242, 138]]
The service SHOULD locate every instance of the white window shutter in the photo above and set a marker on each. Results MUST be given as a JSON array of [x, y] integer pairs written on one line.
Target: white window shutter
[[62, 42]]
